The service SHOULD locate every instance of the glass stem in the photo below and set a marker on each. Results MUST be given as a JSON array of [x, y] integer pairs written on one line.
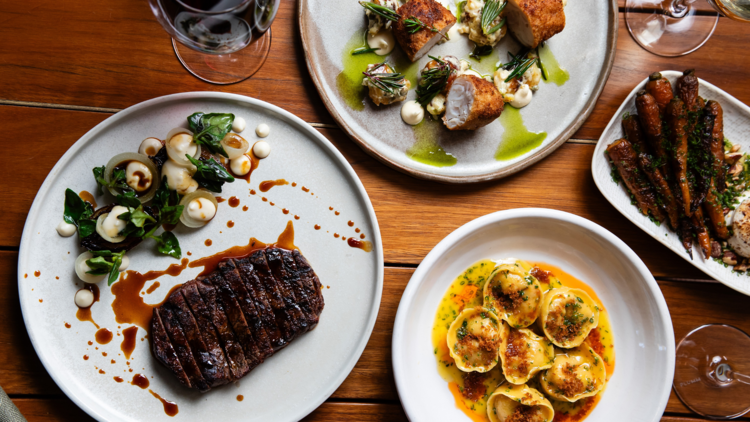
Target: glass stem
[[745, 379], [678, 9]]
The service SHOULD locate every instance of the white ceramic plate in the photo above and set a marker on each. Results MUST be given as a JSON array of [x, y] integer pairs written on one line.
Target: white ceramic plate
[[294, 381], [736, 129], [643, 336], [585, 48]]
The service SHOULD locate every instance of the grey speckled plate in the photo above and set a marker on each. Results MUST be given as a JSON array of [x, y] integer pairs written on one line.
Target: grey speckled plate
[[585, 48], [288, 385]]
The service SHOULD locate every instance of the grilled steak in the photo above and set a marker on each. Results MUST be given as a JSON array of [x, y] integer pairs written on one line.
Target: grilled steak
[[217, 328]]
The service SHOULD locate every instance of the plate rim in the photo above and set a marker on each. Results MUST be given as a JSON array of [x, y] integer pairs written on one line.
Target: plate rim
[[542, 153], [701, 265], [472, 226], [293, 120]]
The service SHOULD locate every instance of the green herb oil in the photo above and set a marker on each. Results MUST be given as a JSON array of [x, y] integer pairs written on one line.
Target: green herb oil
[[554, 72], [516, 140], [426, 150], [349, 81], [404, 66]]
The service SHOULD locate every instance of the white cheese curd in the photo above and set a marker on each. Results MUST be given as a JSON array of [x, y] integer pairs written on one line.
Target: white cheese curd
[[138, 176], [125, 263], [150, 146], [262, 130], [180, 145], [178, 178], [109, 226], [436, 107], [201, 209], [383, 41], [238, 125], [412, 112], [84, 298], [241, 165], [261, 149], [66, 230], [81, 269], [522, 98]]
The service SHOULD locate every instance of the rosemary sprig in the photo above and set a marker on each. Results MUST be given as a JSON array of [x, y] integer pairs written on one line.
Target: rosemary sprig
[[490, 11], [515, 60], [521, 69], [363, 50], [388, 82], [381, 11], [414, 25], [433, 81]]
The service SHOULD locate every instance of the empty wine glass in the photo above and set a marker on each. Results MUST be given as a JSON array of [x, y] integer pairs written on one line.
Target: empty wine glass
[[218, 41], [712, 372]]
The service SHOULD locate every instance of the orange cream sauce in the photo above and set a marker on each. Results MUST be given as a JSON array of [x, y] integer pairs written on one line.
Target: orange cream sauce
[[471, 392]]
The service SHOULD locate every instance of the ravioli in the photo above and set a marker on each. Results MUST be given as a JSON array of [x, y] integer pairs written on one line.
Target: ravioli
[[568, 316], [513, 294], [523, 354], [513, 403], [474, 338], [575, 374]]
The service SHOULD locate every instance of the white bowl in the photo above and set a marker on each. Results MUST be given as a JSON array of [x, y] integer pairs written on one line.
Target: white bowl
[[643, 335]]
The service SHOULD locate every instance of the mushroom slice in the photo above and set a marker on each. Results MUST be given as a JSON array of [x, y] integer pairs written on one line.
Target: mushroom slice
[[534, 21], [523, 354], [471, 103], [514, 295], [473, 339], [567, 317], [433, 18], [511, 403], [575, 374]]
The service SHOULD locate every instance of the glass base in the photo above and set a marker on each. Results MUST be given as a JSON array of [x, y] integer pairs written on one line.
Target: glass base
[[711, 372], [225, 69], [669, 28]]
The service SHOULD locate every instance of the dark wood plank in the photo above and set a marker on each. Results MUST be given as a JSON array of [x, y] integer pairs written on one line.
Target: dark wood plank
[[563, 181], [114, 54]]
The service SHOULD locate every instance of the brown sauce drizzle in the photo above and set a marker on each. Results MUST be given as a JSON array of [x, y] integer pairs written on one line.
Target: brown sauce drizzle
[[266, 185], [362, 236], [336, 235], [103, 336], [350, 223], [170, 408], [219, 199], [336, 212], [209, 263], [230, 224], [264, 199], [234, 202], [240, 397], [128, 305], [84, 314], [271, 203], [37, 273], [153, 287], [113, 362], [128, 341], [101, 371], [254, 161], [88, 197], [252, 191], [140, 381], [361, 244], [244, 208], [356, 230], [296, 217], [305, 189], [85, 357], [330, 208], [118, 379], [285, 211], [208, 242], [67, 325], [317, 227], [294, 184]]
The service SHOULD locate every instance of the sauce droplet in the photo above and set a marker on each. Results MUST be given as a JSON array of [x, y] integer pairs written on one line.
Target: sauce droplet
[[266, 185], [37, 273], [252, 191], [140, 381], [170, 408], [153, 287], [264, 199], [240, 397], [271, 203], [336, 212], [67, 325], [41, 300], [208, 242], [101, 371], [88, 197], [294, 184], [103, 336], [128, 341], [361, 244], [317, 227], [244, 208], [118, 379], [362, 236], [330, 208], [219, 199], [85, 357], [234, 202], [285, 211], [356, 230], [336, 235], [296, 217], [230, 224], [305, 189], [350, 223]]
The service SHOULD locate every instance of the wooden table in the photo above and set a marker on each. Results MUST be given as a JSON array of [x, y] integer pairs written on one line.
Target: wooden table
[[69, 64]]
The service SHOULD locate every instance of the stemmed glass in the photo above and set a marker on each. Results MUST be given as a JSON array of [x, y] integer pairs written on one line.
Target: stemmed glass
[[218, 41], [712, 373], [677, 27]]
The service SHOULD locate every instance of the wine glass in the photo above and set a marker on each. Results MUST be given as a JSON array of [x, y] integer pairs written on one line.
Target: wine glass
[[712, 373], [677, 27], [218, 41]]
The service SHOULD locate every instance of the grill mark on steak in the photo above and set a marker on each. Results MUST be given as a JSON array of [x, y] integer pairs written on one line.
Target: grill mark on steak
[[164, 351], [231, 275], [237, 320], [310, 279], [274, 328], [210, 370], [276, 264], [285, 307], [180, 344], [208, 333], [231, 346]]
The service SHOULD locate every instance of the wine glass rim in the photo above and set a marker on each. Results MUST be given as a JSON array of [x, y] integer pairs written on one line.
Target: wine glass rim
[[211, 12]]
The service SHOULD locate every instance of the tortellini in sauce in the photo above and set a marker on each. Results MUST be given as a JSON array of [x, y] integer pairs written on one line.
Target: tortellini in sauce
[[511, 403], [575, 374], [567, 317], [523, 354], [513, 294], [473, 339]]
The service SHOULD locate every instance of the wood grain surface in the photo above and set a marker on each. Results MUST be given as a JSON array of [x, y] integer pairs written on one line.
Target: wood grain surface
[[66, 66]]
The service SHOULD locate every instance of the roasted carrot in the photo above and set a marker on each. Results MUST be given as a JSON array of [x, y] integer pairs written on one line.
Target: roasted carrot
[[650, 118], [715, 212], [701, 160], [624, 158], [660, 88], [633, 133], [685, 233], [701, 232], [687, 89], [717, 145], [677, 121]]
